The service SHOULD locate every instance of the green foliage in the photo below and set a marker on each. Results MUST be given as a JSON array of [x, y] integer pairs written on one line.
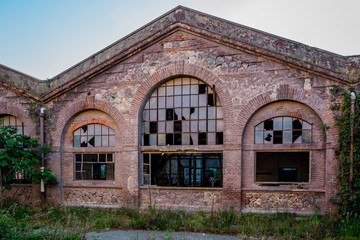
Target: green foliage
[[20, 153], [349, 203]]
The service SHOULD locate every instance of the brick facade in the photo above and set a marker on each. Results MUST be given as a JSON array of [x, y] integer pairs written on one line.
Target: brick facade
[[253, 81]]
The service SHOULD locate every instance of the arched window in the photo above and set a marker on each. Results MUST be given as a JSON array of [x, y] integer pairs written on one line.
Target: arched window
[[281, 130], [182, 112], [287, 165], [94, 165], [9, 120], [94, 135]]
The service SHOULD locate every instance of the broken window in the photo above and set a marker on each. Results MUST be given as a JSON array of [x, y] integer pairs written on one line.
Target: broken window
[[98, 166], [183, 111], [97, 135], [183, 169], [281, 130], [281, 167]]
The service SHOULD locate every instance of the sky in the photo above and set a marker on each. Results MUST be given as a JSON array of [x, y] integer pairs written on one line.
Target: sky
[[42, 38]]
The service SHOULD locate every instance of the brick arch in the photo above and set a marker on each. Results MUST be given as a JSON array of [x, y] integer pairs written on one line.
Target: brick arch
[[72, 109], [178, 69], [284, 92], [20, 113]]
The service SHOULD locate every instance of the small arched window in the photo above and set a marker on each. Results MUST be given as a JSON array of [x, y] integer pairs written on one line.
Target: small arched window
[[8, 120], [281, 130], [94, 135]]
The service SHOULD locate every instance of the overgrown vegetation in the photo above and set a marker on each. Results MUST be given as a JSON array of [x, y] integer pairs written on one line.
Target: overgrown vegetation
[[21, 222], [21, 154], [349, 203]]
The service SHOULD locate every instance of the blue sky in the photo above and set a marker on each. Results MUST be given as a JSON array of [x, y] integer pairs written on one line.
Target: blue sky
[[42, 38]]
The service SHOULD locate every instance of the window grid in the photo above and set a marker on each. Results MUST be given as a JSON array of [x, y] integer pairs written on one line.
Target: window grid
[[94, 135], [94, 166], [281, 130], [9, 120], [183, 111]]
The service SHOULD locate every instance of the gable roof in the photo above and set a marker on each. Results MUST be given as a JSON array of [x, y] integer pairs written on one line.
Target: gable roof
[[346, 69]]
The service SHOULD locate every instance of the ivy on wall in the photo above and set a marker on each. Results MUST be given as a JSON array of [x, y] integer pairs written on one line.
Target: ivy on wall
[[350, 200]]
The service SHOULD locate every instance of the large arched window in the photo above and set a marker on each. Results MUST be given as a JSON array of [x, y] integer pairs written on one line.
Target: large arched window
[[94, 165], [182, 112], [287, 165]]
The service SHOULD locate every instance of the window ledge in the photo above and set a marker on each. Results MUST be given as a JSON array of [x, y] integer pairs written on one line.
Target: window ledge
[[181, 188], [280, 189], [93, 186]]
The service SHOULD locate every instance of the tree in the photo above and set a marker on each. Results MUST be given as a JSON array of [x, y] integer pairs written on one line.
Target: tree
[[21, 154]]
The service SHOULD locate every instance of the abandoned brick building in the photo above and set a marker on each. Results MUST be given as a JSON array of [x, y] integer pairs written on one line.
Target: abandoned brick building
[[188, 112]]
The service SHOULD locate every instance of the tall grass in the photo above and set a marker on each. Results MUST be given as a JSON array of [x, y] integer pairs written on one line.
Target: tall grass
[[22, 222]]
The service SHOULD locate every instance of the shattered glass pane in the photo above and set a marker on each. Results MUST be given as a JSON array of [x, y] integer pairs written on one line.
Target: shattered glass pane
[[268, 124], [185, 114], [194, 139], [297, 124], [268, 137], [146, 127], [194, 113], [278, 137], [297, 136]]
